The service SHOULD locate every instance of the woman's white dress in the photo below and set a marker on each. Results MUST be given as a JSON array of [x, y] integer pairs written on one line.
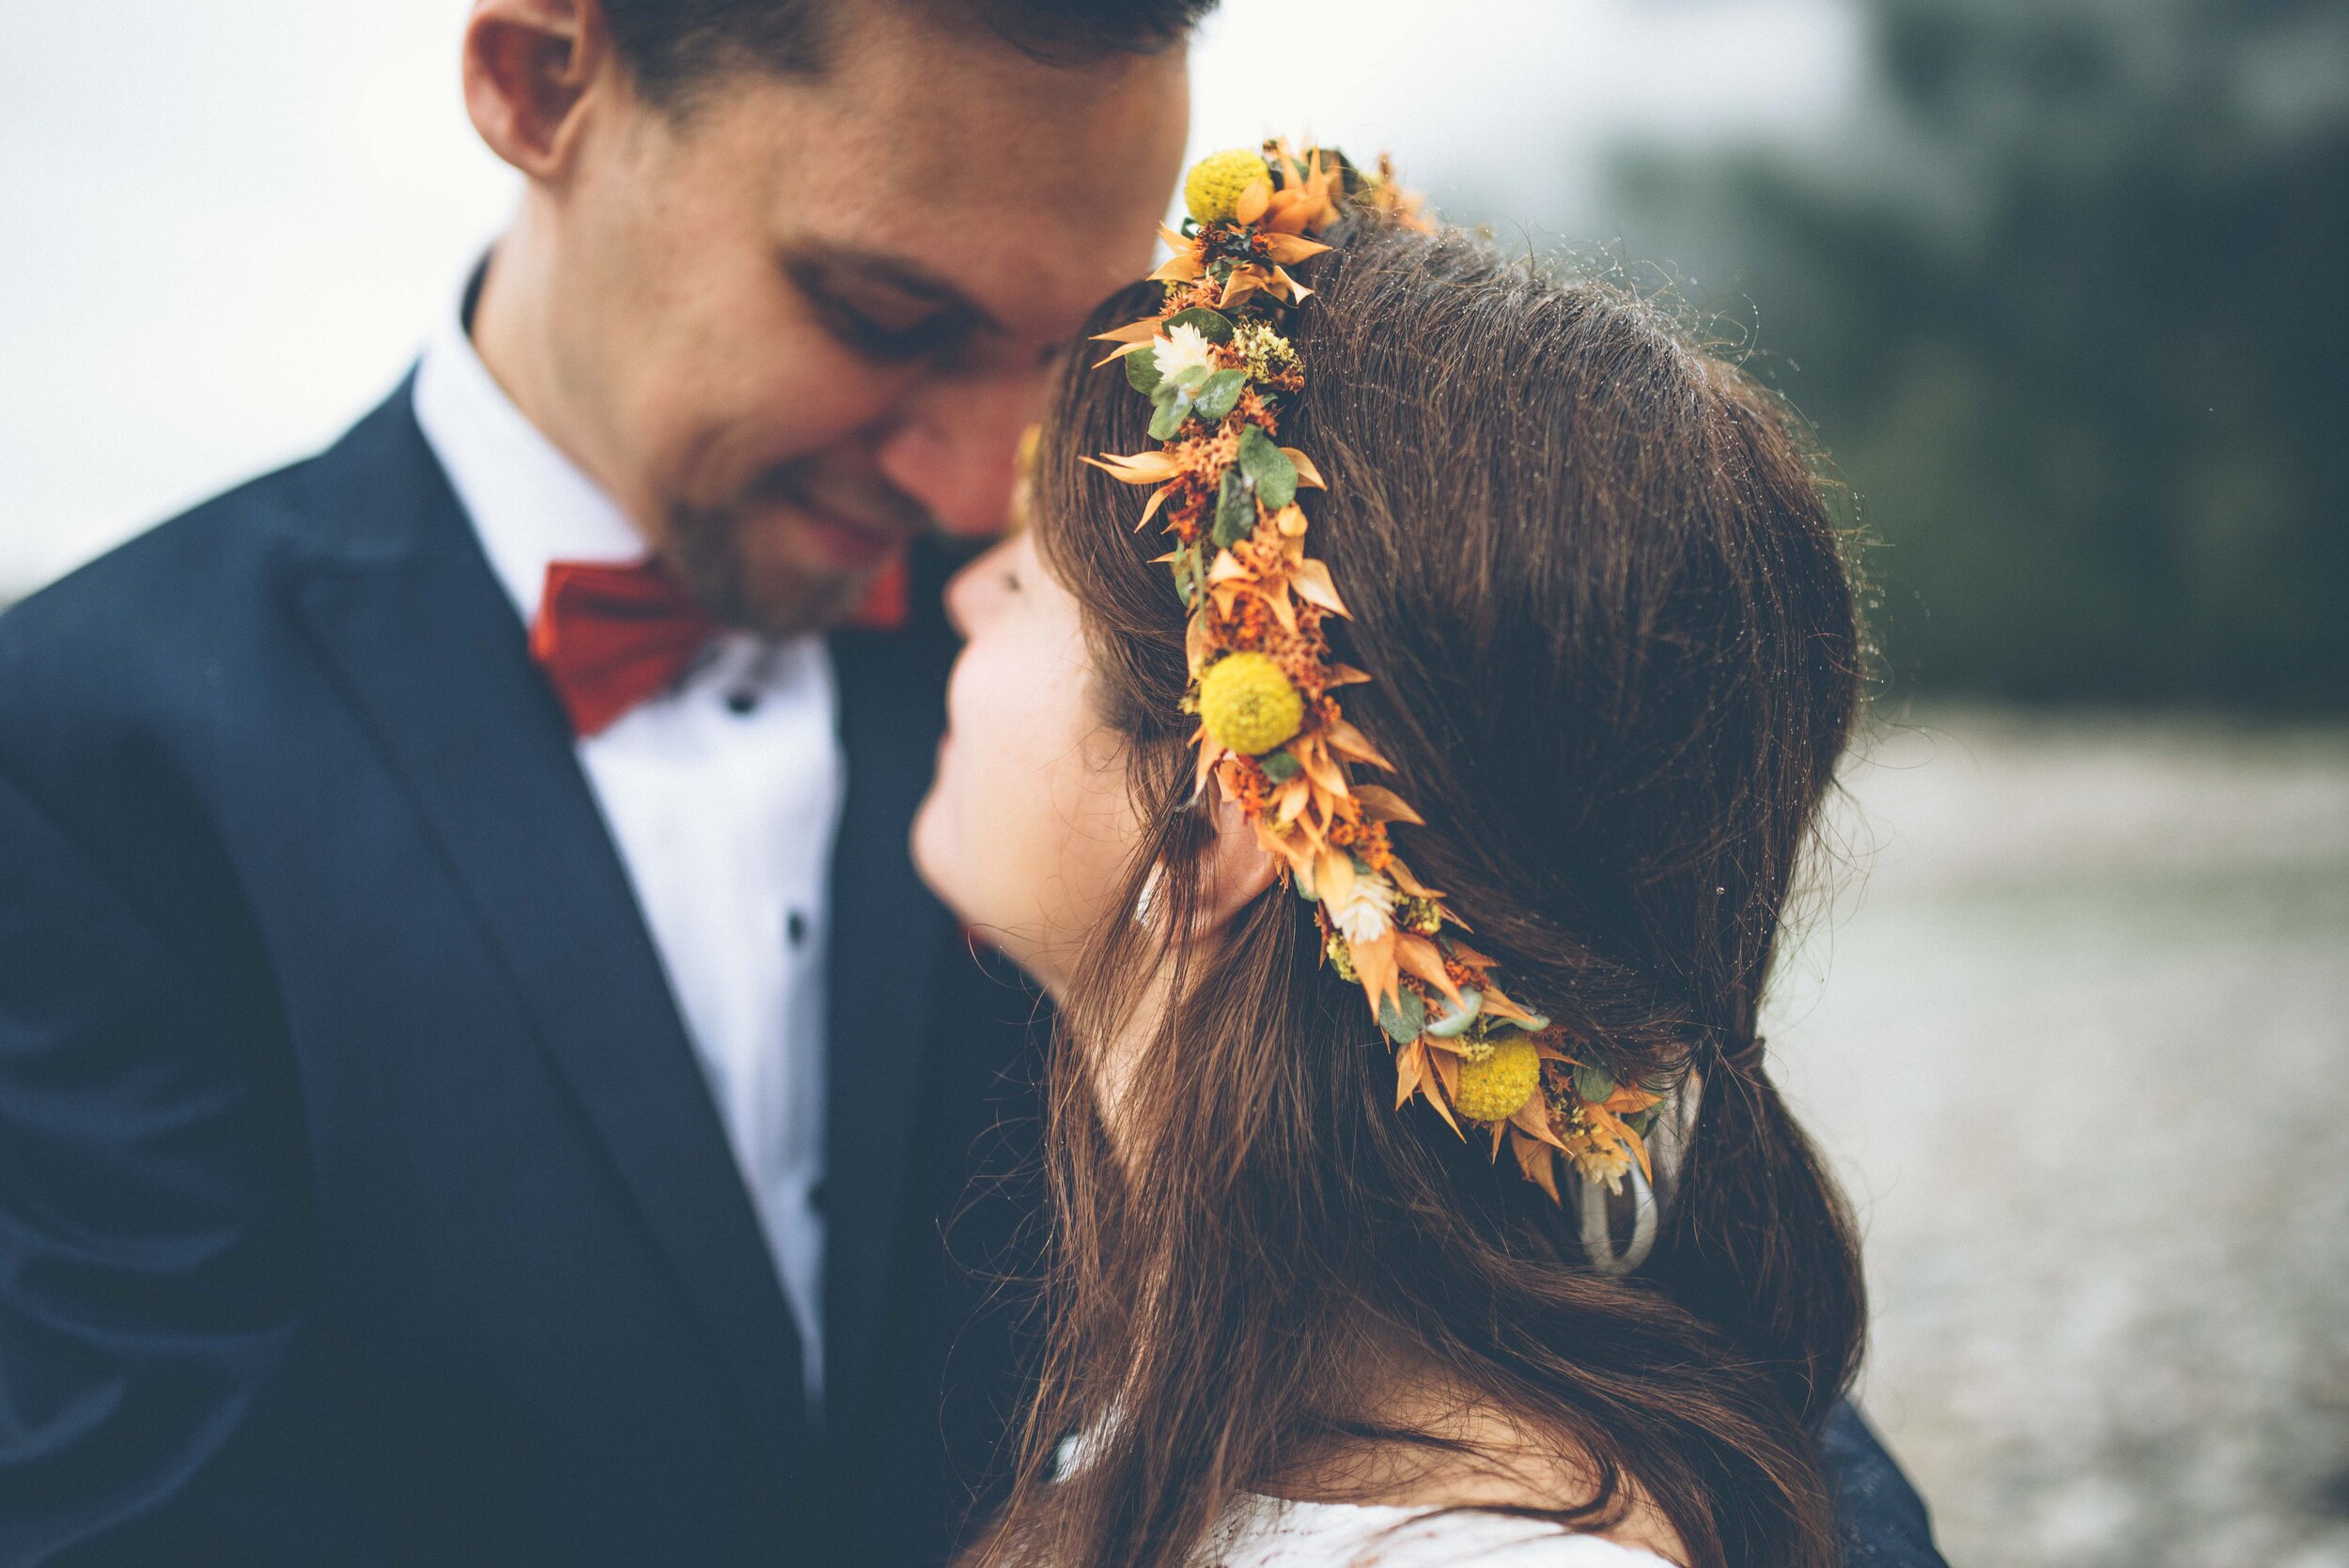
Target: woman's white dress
[[1267, 1532]]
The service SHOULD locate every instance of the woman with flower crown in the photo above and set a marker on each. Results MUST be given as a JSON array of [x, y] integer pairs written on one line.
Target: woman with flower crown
[[1393, 743]]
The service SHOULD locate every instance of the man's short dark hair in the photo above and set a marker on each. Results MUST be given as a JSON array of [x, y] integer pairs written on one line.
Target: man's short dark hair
[[673, 47]]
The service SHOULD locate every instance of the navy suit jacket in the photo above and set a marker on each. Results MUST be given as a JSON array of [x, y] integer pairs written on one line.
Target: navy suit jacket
[[361, 1200]]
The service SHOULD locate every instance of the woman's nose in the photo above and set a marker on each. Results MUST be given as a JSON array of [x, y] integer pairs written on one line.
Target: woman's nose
[[971, 591]]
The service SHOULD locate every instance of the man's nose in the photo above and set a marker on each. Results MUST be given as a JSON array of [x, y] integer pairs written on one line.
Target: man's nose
[[956, 449]]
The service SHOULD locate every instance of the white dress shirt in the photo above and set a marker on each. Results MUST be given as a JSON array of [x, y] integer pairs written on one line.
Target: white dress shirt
[[724, 796]]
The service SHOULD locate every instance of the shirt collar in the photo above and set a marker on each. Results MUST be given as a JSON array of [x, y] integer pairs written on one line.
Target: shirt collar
[[530, 503]]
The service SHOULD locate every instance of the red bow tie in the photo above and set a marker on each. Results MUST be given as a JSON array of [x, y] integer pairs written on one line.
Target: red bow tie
[[610, 636]]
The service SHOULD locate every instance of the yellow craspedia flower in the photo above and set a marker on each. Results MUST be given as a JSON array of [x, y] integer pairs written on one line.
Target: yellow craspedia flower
[[1498, 1087], [1213, 187], [1248, 704]]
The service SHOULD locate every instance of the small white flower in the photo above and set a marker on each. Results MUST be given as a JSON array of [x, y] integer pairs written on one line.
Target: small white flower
[[1184, 349], [1365, 913]]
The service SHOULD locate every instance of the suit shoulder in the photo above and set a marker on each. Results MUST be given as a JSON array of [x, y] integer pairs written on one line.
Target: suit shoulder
[[180, 582], [161, 569]]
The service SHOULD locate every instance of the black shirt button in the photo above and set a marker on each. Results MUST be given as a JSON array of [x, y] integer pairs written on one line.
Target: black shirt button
[[794, 927], [742, 704]]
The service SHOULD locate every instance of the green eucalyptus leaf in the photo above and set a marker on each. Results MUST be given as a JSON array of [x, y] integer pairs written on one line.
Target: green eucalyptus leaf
[[1213, 325], [1264, 462], [1593, 1083], [1280, 767], [1402, 1020], [1190, 378], [1170, 414], [1142, 369], [1219, 394], [1234, 509], [1453, 1021]]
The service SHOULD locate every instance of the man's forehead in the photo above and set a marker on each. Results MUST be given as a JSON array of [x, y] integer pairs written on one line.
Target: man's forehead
[[1032, 204]]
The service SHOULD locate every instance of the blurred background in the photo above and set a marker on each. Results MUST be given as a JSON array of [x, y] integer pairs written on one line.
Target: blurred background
[[2064, 285]]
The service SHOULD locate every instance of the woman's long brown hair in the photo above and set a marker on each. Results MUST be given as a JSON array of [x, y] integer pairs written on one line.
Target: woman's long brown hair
[[1615, 657]]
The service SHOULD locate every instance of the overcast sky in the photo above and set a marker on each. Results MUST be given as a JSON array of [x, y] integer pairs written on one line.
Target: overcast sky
[[228, 222]]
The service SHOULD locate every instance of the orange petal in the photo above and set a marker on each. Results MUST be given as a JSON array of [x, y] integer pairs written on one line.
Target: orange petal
[[1417, 956], [1538, 1163], [1178, 269], [1410, 884], [1381, 804], [1290, 249], [1228, 568], [1501, 1007], [1375, 963], [1307, 475], [1143, 468], [1290, 521], [1282, 846], [1334, 877], [1533, 1116], [1345, 675], [1295, 795], [1629, 1101], [1158, 499], [1348, 741], [1250, 205], [1176, 238], [1132, 331], [1208, 756], [1321, 767], [1410, 1068], [1311, 578], [1119, 354], [1448, 1074], [1245, 283], [1638, 1150]]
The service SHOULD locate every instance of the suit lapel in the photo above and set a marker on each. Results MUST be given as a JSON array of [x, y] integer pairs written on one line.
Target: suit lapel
[[431, 653], [886, 934]]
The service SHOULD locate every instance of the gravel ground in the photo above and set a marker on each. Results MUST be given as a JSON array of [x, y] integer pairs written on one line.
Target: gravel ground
[[2075, 1032]]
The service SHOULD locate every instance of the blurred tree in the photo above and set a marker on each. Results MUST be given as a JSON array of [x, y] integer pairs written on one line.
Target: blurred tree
[[2069, 305]]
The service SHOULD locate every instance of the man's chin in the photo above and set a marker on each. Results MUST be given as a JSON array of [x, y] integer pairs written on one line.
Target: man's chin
[[766, 578], [780, 604]]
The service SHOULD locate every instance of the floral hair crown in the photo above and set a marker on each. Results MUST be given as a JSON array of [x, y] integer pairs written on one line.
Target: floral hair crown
[[1271, 734]]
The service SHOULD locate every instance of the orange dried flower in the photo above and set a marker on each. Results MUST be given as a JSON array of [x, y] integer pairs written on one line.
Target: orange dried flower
[[1262, 594]]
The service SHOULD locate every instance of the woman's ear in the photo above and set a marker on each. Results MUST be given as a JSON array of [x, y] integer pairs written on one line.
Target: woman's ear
[[1238, 868]]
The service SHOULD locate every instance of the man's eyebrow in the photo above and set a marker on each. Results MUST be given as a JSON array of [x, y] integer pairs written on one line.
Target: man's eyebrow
[[813, 262]]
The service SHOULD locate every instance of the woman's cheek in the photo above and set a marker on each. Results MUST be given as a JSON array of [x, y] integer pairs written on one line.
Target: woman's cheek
[[1007, 806]]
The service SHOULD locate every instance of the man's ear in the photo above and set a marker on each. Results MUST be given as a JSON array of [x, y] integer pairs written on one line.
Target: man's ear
[[1238, 868], [528, 67]]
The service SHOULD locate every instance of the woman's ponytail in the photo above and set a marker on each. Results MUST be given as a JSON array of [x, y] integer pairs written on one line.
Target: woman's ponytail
[[1757, 1240]]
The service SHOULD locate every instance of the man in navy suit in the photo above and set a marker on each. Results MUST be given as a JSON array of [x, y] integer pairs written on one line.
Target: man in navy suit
[[479, 1079]]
